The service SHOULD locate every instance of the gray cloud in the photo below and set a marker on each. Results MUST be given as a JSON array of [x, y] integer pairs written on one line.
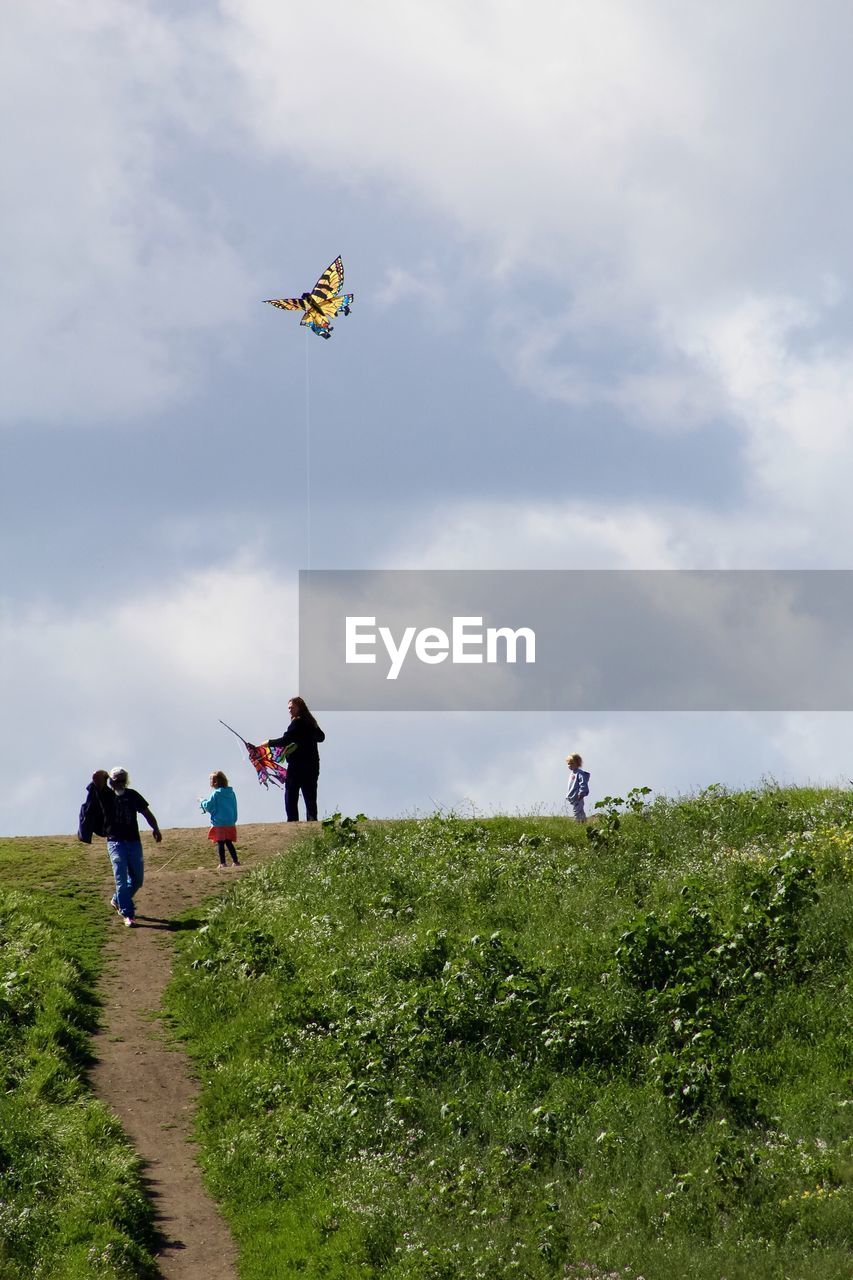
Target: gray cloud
[[112, 286]]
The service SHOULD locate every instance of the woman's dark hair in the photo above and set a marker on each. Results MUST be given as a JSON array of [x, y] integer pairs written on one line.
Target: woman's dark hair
[[218, 779], [302, 711]]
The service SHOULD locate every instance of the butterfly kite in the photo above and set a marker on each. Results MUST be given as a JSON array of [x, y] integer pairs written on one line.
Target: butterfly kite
[[325, 301], [268, 761]]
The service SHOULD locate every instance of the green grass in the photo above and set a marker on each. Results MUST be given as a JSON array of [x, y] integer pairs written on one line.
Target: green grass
[[71, 1202], [449, 1049]]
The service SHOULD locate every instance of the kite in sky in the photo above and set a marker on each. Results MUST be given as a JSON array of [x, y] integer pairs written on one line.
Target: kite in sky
[[268, 761], [325, 301]]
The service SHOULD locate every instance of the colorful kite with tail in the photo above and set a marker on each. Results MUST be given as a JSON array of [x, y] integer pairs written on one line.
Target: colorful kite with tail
[[268, 761]]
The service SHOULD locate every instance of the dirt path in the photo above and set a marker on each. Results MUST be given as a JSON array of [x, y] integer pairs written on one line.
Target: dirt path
[[145, 1080]]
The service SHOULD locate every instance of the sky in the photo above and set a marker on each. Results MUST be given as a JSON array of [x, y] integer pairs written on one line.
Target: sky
[[602, 266]]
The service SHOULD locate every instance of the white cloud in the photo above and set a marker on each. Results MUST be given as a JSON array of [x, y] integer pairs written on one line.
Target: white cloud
[[792, 392], [528, 534], [542, 535], [660, 174], [674, 754], [145, 681], [423, 286], [656, 187], [644, 153], [530, 131], [111, 279], [556, 358]]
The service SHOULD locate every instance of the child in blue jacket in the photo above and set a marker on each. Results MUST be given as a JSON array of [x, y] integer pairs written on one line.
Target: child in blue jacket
[[221, 808], [578, 786]]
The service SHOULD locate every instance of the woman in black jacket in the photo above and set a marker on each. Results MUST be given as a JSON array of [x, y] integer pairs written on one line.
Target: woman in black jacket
[[303, 765]]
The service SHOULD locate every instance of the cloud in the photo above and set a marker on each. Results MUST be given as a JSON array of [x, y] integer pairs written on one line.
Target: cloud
[[791, 387], [643, 154], [423, 286], [115, 274], [145, 681], [649, 193], [656, 191], [558, 359], [775, 530], [518, 130], [652, 217], [674, 754], [542, 535]]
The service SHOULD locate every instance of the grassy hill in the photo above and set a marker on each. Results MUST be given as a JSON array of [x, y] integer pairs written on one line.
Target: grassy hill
[[450, 1049], [446, 1049]]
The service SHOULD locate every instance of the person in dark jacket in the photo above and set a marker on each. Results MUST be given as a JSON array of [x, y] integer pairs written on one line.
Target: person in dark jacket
[[92, 821], [303, 766], [121, 805]]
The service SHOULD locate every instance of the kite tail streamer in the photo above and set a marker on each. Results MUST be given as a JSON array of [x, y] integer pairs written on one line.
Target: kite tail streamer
[[268, 762]]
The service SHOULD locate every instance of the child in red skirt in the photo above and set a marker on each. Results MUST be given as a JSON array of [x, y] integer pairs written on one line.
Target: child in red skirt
[[221, 808]]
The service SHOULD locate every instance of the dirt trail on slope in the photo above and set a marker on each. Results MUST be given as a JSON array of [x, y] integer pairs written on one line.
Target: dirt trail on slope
[[142, 1077]]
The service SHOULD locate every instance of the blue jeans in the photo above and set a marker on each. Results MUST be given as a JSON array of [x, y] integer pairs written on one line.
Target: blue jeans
[[126, 857]]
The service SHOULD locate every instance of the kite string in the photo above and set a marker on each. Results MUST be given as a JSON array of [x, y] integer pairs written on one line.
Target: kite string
[[307, 454]]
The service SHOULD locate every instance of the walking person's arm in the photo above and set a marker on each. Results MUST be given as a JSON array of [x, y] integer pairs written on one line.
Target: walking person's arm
[[152, 822]]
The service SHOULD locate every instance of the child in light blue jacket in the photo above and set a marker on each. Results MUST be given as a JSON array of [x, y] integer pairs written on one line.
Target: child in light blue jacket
[[221, 808], [578, 786]]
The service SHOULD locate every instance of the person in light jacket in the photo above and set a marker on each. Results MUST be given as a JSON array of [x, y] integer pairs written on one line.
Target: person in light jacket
[[578, 786], [221, 807]]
